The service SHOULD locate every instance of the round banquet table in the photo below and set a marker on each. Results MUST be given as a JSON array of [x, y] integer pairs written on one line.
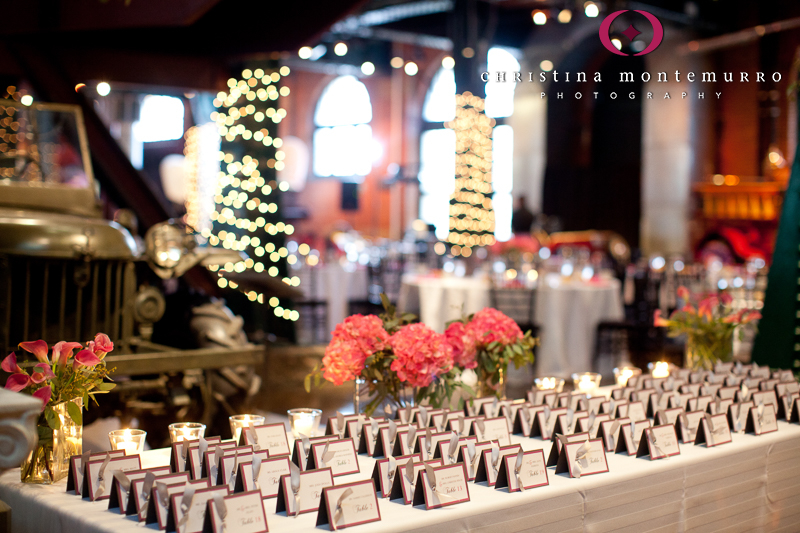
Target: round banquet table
[[567, 313], [336, 285]]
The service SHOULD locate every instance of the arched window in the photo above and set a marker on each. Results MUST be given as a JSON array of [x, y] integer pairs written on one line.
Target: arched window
[[343, 138], [438, 146]]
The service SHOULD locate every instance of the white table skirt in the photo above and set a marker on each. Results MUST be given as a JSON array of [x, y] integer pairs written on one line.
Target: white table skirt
[[439, 300], [751, 484], [335, 285]]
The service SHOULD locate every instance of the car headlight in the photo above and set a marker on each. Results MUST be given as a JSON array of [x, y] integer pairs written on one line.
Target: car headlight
[[165, 245]]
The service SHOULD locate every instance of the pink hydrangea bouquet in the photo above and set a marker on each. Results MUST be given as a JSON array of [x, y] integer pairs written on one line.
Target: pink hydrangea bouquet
[[709, 322], [65, 383], [487, 342], [397, 359]]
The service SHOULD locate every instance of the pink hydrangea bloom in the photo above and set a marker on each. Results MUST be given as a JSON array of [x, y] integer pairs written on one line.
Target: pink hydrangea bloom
[[420, 354], [462, 340], [355, 339], [490, 325]]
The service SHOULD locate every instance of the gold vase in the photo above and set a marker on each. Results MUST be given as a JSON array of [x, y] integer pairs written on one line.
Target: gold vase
[[48, 463]]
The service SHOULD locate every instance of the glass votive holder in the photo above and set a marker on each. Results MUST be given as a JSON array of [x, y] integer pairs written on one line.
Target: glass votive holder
[[130, 440], [239, 422], [659, 369], [549, 383], [624, 373], [180, 431], [586, 382], [304, 421]]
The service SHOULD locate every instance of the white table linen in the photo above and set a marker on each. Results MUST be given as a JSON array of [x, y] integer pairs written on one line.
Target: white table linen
[[439, 300], [753, 483], [336, 285]]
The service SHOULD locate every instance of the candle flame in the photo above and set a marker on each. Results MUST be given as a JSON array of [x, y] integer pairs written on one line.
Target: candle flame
[[661, 369]]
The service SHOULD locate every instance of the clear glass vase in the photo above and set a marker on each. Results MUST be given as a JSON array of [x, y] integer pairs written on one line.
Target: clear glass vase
[[492, 384], [704, 351], [49, 461], [360, 393]]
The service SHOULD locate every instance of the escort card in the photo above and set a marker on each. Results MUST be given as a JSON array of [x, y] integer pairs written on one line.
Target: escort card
[[188, 510], [582, 458], [698, 404], [339, 455], [459, 423], [765, 397], [406, 441], [542, 397], [691, 388], [270, 437], [610, 407], [441, 486], [242, 513], [303, 446], [792, 387], [658, 402], [387, 438], [609, 432], [139, 497], [447, 450], [768, 384], [523, 471], [99, 473], [710, 389], [158, 506], [369, 442], [562, 399], [523, 422], [785, 406], [575, 400], [180, 452], [405, 480], [205, 465], [687, 424], [659, 442], [302, 494], [75, 472], [428, 440], [474, 407], [492, 429], [566, 423], [668, 416], [633, 410], [427, 417], [229, 465], [696, 377], [795, 416], [591, 424], [121, 486], [630, 435], [643, 395], [592, 405], [470, 454], [338, 425], [737, 415], [727, 392], [385, 469], [262, 475], [491, 409], [489, 465], [407, 414], [785, 376], [348, 505], [509, 412], [213, 460], [713, 430], [762, 372], [719, 406], [680, 400], [558, 445], [762, 419], [545, 422], [733, 381]]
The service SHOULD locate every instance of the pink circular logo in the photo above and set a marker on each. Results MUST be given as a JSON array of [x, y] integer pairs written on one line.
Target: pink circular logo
[[631, 32]]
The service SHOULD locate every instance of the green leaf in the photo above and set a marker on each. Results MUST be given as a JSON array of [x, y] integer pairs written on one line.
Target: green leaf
[[307, 383], [45, 435], [75, 413], [105, 387], [52, 418]]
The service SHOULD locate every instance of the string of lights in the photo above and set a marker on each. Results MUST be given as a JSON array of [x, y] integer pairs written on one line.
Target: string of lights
[[471, 214], [246, 215]]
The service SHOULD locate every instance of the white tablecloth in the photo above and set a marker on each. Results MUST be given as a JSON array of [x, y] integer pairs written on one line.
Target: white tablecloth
[[439, 300], [751, 484], [568, 314], [335, 285]]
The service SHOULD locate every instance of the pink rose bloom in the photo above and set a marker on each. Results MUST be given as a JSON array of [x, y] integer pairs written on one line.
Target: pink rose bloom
[[355, 339], [462, 341], [683, 293], [707, 306], [490, 325], [421, 354]]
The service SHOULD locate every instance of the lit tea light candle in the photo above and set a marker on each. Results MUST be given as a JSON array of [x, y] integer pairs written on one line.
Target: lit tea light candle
[[549, 383], [130, 440], [587, 382], [304, 421], [660, 369], [181, 431], [623, 374], [239, 422]]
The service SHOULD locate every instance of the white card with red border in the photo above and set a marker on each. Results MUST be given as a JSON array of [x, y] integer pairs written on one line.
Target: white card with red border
[[240, 513], [385, 469], [188, 510], [338, 455], [348, 505], [75, 473], [490, 460], [122, 484], [610, 431], [270, 437], [522, 471], [441, 486], [158, 508], [659, 442], [308, 495], [492, 429], [270, 472], [98, 475], [142, 490], [582, 458], [630, 435], [762, 419], [405, 480], [687, 424], [713, 430]]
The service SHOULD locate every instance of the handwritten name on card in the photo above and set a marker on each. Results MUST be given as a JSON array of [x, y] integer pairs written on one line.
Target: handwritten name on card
[[188, 511], [659, 442], [270, 437], [713, 431], [270, 472], [349, 505], [99, 475], [492, 429], [307, 496], [762, 420], [582, 458], [523, 471], [239, 513], [441, 486]]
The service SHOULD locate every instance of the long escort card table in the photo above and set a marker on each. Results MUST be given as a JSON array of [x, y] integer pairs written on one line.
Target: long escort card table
[[752, 483]]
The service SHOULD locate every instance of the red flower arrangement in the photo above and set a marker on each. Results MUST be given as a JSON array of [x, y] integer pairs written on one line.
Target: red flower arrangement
[[420, 354], [355, 339]]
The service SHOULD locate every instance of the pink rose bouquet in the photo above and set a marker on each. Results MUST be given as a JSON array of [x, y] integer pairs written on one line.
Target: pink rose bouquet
[[420, 354], [354, 340]]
